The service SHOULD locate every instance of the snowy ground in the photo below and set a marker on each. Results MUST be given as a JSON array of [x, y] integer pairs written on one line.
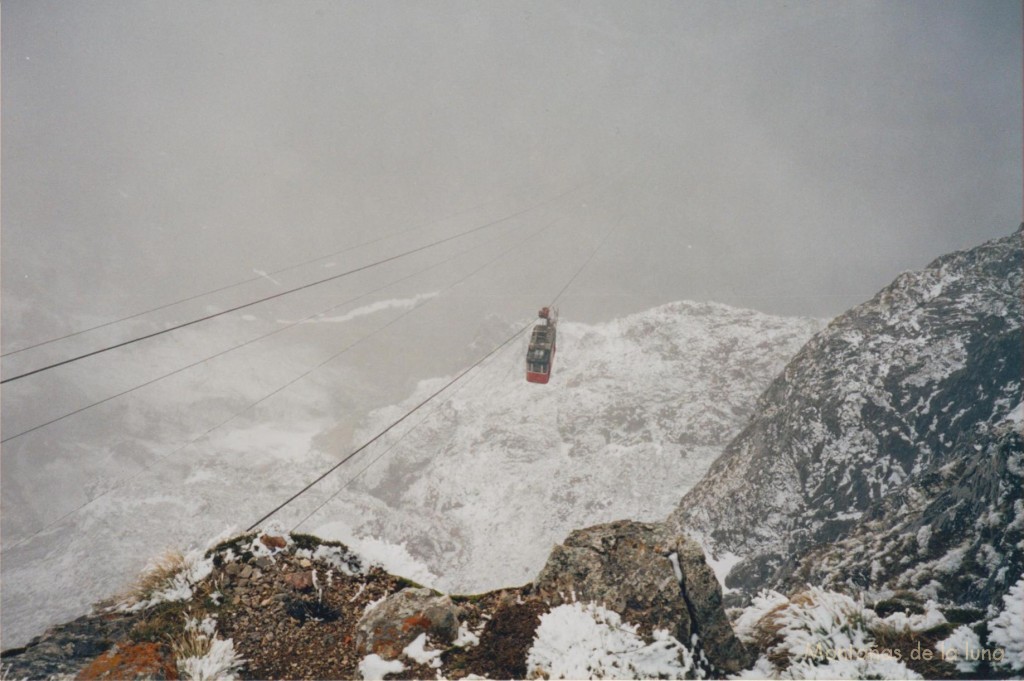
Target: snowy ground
[[637, 410], [473, 498]]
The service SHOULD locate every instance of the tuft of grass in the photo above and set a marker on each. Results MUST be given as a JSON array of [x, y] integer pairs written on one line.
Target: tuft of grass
[[906, 641], [768, 634], [200, 654], [310, 542], [158, 624], [156, 577], [403, 583], [190, 642]]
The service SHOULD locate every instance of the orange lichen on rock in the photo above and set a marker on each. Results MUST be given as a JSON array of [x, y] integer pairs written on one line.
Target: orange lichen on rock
[[417, 621], [272, 542], [132, 661]]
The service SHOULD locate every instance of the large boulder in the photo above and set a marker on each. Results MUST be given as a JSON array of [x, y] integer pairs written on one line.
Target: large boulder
[[650, 576], [390, 625]]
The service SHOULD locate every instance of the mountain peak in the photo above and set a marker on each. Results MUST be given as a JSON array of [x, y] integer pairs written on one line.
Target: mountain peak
[[897, 407]]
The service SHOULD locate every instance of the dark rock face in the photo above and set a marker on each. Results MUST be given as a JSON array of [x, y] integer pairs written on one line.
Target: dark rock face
[[67, 648], [891, 441], [389, 626], [506, 640], [651, 577]]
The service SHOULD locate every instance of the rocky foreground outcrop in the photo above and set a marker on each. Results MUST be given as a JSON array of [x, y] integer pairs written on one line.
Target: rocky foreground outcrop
[[265, 606], [649, 576]]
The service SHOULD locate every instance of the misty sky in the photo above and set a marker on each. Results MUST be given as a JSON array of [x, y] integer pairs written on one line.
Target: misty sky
[[792, 157]]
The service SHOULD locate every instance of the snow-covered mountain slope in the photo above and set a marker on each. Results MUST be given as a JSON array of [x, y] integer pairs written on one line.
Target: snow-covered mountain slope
[[636, 411], [888, 453], [528, 459]]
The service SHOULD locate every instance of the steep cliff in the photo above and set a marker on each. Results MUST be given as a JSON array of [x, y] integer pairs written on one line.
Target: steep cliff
[[888, 453]]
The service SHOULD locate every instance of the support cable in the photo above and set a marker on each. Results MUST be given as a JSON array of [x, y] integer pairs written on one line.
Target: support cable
[[386, 451], [227, 287], [386, 430], [279, 294], [242, 345], [409, 413], [196, 439]]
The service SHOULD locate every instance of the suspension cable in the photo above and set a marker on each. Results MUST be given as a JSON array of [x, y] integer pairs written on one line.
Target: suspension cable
[[236, 284], [386, 451], [287, 292], [241, 345], [196, 439], [386, 430], [409, 413]]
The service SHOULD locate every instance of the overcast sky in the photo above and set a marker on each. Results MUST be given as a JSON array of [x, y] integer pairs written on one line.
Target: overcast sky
[[788, 156]]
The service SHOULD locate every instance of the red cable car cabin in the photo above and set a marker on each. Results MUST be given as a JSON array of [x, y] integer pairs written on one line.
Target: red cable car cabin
[[541, 353]]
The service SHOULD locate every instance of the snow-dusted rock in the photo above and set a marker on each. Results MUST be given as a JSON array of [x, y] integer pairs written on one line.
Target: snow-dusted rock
[[648, 576], [888, 453], [388, 627]]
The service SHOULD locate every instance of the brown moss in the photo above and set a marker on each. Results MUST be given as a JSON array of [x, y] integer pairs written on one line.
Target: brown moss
[[158, 624]]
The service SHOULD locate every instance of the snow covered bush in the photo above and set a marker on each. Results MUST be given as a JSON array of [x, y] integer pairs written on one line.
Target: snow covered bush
[[1007, 629], [962, 641], [812, 624], [586, 641], [823, 634], [861, 668], [763, 603], [169, 578], [200, 654]]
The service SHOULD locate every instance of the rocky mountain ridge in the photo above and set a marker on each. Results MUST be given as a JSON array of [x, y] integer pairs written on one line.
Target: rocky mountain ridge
[[888, 453]]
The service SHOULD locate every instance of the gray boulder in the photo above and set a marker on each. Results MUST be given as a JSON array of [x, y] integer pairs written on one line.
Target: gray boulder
[[650, 576], [389, 626]]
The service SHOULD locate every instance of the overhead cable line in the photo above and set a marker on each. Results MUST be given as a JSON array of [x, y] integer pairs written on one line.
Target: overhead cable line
[[383, 454], [279, 294], [241, 345], [236, 284], [386, 430], [277, 390], [419, 406]]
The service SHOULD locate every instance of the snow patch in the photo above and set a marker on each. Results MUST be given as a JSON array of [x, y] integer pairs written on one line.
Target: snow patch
[[375, 667], [958, 646], [1016, 415], [466, 637], [394, 558], [1006, 630], [586, 641], [931, 617], [373, 308], [417, 652]]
